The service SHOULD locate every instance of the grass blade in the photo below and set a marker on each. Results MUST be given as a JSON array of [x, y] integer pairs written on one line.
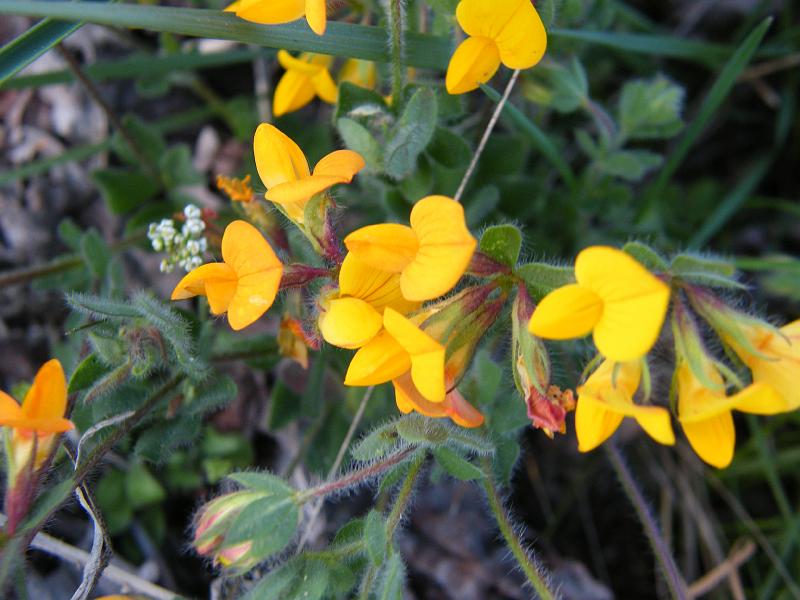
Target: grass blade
[[22, 51], [716, 95]]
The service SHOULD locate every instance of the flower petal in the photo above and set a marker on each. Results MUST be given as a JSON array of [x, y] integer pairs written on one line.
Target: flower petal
[[258, 269], [445, 248], [379, 288], [47, 397], [325, 87], [292, 196], [474, 62], [594, 423], [9, 409], [523, 40], [655, 420], [341, 164], [217, 281], [568, 312], [461, 411], [427, 355], [316, 15], [349, 323], [278, 158], [760, 399], [293, 92], [380, 360], [362, 73], [454, 406], [270, 12], [487, 18], [713, 439], [634, 302], [387, 246]]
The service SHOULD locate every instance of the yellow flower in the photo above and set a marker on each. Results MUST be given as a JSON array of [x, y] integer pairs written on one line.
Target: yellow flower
[[305, 77], [415, 364], [359, 72], [354, 315], [507, 31], [607, 397], [41, 414], [705, 413], [615, 297], [244, 285], [284, 171], [430, 256], [778, 363], [276, 12]]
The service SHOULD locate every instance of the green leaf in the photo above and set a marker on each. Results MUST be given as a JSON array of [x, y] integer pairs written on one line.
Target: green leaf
[[392, 578], [456, 465], [177, 168], [300, 578], [269, 523], [156, 442], [378, 443], [262, 482], [147, 138], [101, 308], [356, 99], [411, 134], [570, 87], [359, 139], [70, 234], [29, 46], [141, 488], [630, 165], [648, 257], [543, 278], [716, 95], [449, 149], [417, 429], [375, 537], [650, 109], [210, 395], [284, 406], [88, 371], [502, 243], [96, 253], [113, 501], [480, 204], [705, 270]]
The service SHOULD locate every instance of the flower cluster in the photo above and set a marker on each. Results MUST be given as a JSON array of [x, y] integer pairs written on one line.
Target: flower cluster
[[184, 249], [624, 307]]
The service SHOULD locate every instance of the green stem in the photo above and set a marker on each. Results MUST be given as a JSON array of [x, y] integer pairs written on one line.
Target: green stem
[[534, 572], [403, 496], [396, 32], [677, 587]]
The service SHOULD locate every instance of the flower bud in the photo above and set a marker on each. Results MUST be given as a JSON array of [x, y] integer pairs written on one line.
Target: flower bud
[[212, 523], [293, 341], [547, 404]]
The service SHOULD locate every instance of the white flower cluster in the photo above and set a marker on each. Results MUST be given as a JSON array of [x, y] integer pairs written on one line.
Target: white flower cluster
[[185, 248]]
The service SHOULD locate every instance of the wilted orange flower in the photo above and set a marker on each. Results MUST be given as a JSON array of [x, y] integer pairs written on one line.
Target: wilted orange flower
[[284, 170], [244, 285], [238, 190]]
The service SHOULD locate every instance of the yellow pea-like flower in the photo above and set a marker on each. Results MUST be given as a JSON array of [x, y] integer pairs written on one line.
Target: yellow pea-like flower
[[276, 12], [705, 413], [244, 285], [615, 298], [607, 397], [778, 361], [430, 256], [41, 414], [354, 315], [415, 364], [306, 77], [500, 31], [284, 171]]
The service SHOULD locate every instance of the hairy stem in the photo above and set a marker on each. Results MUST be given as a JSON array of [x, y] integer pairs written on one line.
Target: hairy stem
[[534, 572], [357, 476], [396, 29], [403, 496], [675, 582]]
